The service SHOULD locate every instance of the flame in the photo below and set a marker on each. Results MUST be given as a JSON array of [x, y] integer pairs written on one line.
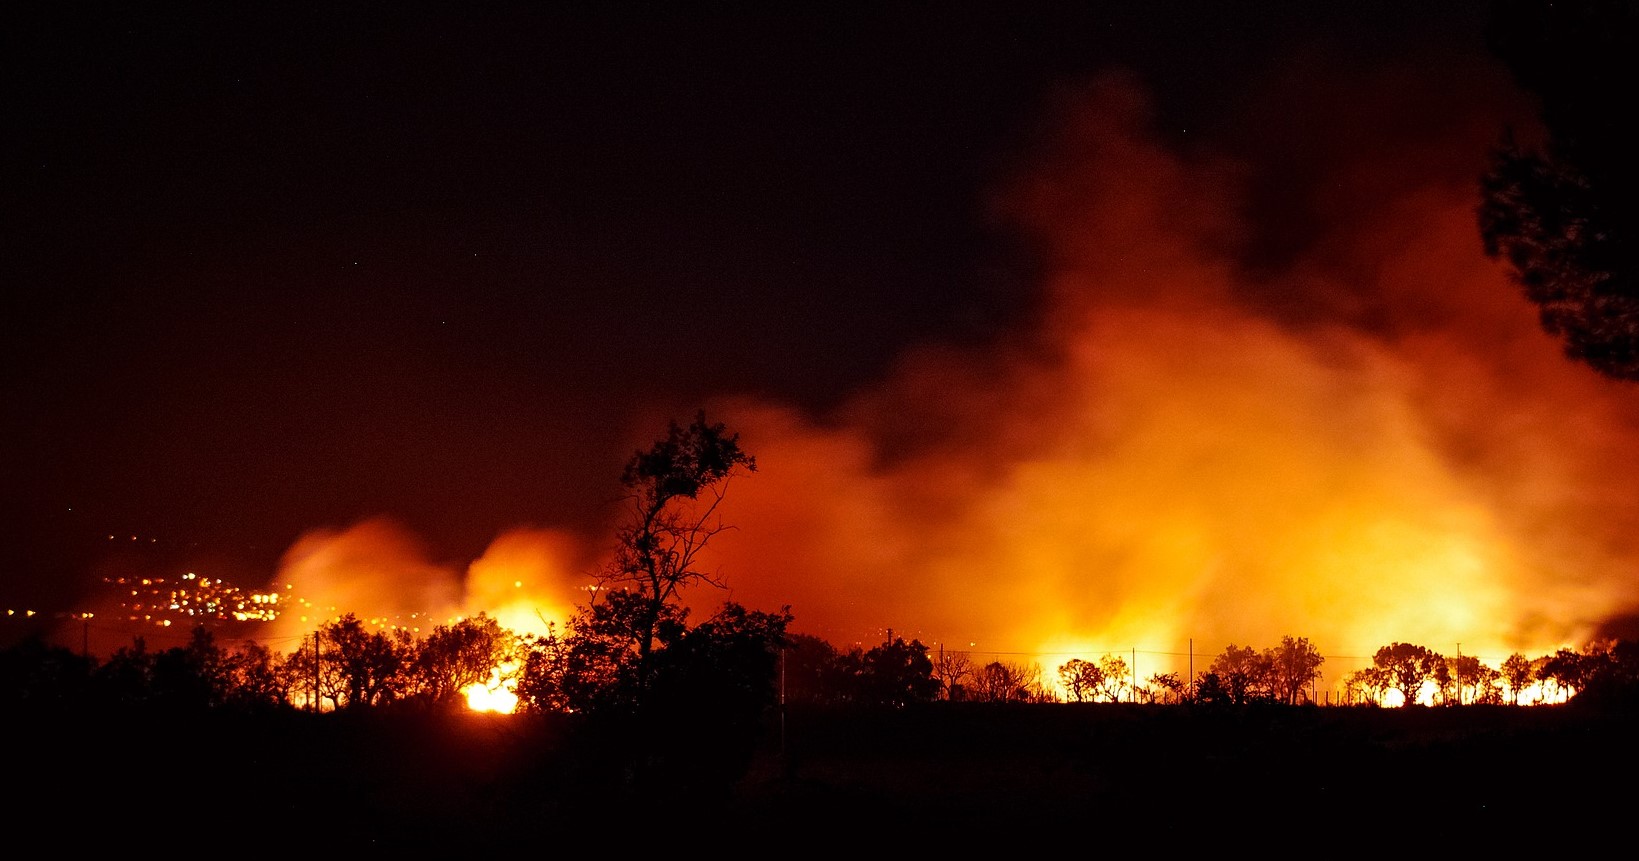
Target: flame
[[498, 694]]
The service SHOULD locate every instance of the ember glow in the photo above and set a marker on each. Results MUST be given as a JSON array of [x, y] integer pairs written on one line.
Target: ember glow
[[496, 695]]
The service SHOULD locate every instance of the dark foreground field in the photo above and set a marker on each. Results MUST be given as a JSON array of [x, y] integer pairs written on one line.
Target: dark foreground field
[[1328, 780]]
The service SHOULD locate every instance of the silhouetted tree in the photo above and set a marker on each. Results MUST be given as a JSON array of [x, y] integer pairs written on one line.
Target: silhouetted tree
[[1115, 678], [604, 670], [1615, 677], [608, 658], [1470, 681], [898, 673], [810, 671], [1445, 683], [673, 492], [36, 674], [1564, 216], [1211, 690], [254, 680], [1519, 672], [1369, 684], [1294, 666], [1080, 679], [456, 656], [704, 710], [1564, 671], [954, 670], [1006, 682], [543, 684], [1408, 667], [730, 660], [126, 678], [895, 673], [1171, 687], [194, 676], [1603, 670], [359, 667], [1244, 673]]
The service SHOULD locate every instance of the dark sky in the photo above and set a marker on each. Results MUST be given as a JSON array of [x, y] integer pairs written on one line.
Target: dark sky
[[277, 266]]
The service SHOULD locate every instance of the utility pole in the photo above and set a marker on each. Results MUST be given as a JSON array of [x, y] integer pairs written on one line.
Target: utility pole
[[939, 670], [782, 702], [315, 671]]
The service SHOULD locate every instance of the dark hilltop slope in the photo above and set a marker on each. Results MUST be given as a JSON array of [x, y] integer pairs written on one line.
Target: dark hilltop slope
[[942, 774]]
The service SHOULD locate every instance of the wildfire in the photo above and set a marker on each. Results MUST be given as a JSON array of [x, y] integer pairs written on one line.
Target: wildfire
[[1167, 458], [498, 694], [1372, 442]]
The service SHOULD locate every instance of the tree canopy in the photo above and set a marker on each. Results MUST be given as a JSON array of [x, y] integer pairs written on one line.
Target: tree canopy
[[1562, 214], [673, 492]]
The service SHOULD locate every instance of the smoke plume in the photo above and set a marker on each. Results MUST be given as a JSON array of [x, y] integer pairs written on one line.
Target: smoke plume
[[1219, 427], [1370, 440]]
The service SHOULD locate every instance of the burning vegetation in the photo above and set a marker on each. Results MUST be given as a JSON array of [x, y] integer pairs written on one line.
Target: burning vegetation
[[1215, 425], [733, 718]]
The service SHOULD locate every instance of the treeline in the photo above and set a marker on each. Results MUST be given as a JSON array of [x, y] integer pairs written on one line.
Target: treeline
[[393, 756], [739, 659], [634, 654]]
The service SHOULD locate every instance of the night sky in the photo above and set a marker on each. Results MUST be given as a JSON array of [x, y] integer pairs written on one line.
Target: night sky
[[277, 267]]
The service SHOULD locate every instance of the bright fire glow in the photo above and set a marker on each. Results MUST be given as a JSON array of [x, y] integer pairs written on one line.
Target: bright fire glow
[[1372, 442], [1165, 460], [496, 695]]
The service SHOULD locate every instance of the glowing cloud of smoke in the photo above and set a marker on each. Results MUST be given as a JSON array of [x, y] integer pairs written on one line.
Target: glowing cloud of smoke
[[380, 571], [1372, 443], [1169, 458], [375, 569], [529, 579]]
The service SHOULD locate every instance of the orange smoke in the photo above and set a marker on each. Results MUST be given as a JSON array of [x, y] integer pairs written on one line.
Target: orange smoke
[[1370, 442], [529, 579], [1393, 451], [378, 570], [375, 569]]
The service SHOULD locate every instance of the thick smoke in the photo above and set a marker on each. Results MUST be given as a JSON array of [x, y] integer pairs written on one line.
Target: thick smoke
[[1370, 442], [528, 579], [1357, 434]]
